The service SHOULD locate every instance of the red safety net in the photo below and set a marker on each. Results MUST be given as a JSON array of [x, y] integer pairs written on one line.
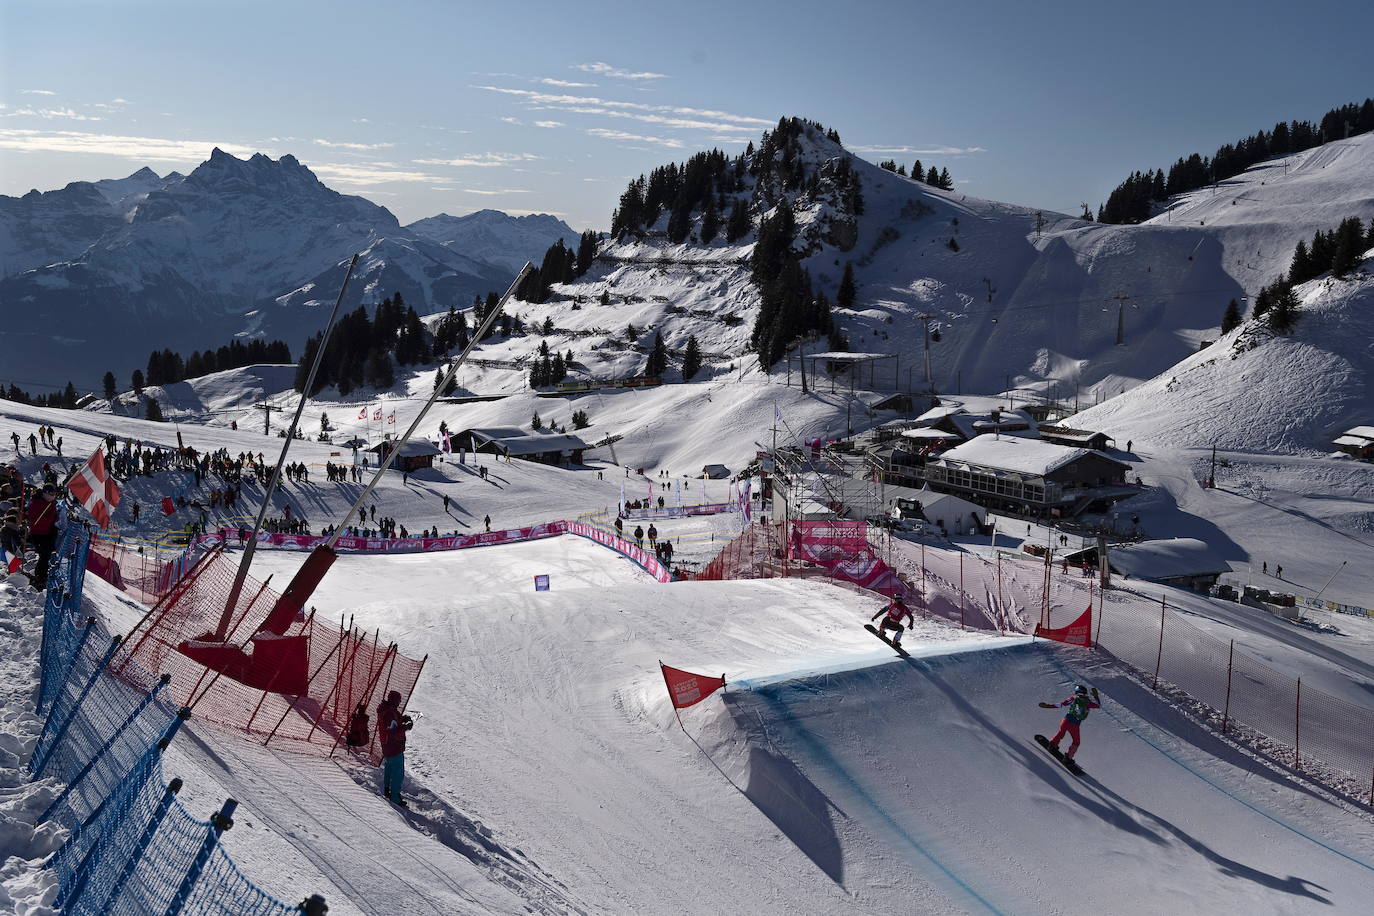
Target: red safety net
[[140, 573], [297, 689]]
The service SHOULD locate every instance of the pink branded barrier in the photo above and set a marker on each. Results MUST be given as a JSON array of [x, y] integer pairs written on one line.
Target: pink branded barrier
[[392, 545], [644, 558], [842, 548]]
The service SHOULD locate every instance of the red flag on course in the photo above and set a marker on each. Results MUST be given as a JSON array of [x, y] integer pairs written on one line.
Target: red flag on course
[[687, 689], [168, 507], [95, 489], [1078, 633]]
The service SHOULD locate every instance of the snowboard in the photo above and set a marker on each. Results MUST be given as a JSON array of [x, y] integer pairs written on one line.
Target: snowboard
[[878, 633], [1057, 754]]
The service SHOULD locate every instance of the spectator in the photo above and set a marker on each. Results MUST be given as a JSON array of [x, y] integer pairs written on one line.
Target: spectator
[[392, 726], [639, 535], [43, 522], [486, 520]]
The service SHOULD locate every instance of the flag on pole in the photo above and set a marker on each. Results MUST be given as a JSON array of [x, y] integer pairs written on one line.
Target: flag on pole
[[391, 418], [11, 561], [95, 489], [622, 497], [362, 414], [377, 414], [168, 507], [777, 413], [687, 689], [445, 445]]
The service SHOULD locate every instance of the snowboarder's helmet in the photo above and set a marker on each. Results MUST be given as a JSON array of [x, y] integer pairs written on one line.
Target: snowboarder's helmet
[[899, 597], [1081, 691]]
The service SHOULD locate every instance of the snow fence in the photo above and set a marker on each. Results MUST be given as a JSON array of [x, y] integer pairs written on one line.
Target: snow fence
[[131, 847]]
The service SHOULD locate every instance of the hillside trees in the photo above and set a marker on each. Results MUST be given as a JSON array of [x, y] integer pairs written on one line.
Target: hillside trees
[[109, 382], [1338, 251], [1132, 200], [657, 362], [1230, 320], [691, 359]]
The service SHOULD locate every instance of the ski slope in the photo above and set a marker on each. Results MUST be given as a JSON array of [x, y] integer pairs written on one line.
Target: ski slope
[[928, 767]]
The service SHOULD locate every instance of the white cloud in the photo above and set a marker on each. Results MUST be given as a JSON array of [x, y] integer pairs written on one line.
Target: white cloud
[[365, 174], [566, 84], [48, 114], [481, 160], [931, 151], [37, 92], [494, 192], [156, 149], [362, 120], [665, 115], [509, 120], [601, 68], [355, 146], [670, 142], [549, 124]]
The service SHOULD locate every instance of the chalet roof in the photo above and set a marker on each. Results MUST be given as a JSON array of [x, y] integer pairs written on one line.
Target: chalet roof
[[1167, 559], [1016, 454], [1364, 432], [1064, 432], [1353, 440], [416, 448], [537, 445]]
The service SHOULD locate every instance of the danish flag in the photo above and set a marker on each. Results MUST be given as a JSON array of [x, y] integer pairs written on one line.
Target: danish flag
[[377, 414], [95, 489]]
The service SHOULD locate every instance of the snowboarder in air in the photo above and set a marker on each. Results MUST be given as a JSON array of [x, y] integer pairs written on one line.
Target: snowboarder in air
[[1078, 704], [895, 611]]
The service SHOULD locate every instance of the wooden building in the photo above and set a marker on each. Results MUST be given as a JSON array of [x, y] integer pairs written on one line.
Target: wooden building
[[1027, 475]]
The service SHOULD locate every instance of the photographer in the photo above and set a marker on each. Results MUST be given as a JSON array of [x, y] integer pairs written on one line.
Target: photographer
[[392, 726]]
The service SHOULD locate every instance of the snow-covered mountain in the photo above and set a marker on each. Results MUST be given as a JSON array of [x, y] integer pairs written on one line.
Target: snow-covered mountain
[[95, 275], [493, 237], [1016, 295]]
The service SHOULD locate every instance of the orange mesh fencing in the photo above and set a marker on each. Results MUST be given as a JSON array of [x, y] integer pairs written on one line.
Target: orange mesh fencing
[[343, 666]]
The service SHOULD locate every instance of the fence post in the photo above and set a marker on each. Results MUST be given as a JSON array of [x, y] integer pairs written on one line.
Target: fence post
[[36, 766], [1101, 612], [1297, 730], [963, 597], [95, 758], [219, 823], [1226, 713], [1160, 657]]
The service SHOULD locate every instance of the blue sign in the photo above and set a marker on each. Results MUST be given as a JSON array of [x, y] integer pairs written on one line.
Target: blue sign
[[541, 583]]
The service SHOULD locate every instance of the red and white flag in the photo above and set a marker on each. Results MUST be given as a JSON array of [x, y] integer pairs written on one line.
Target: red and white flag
[[377, 414], [687, 689], [445, 445], [391, 418], [95, 489], [362, 414]]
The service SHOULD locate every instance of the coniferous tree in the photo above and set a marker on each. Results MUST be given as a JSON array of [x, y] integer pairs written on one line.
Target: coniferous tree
[[1300, 271], [536, 423], [917, 172], [136, 381], [1348, 246], [154, 410], [586, 251], [379, 372], [845, 297], [739, 224], [1231, 319], [109, 382], [657, 363], [579, 419], [1283, 313], [946, 182], [691, 359]]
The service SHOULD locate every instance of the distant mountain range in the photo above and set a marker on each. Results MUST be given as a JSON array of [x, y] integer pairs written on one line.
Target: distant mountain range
[[95, 275]]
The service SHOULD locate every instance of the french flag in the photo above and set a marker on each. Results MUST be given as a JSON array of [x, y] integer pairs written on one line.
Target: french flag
[[10, 561]]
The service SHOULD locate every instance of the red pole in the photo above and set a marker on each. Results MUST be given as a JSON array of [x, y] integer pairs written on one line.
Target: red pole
[[1226, 713], [1160, 657], [1297, 730]]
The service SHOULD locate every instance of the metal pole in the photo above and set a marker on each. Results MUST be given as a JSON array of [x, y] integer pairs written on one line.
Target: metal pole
[[386, 458], [1226, 712], [272, 482], [1160, 657], [1297, 730], [963, 596]]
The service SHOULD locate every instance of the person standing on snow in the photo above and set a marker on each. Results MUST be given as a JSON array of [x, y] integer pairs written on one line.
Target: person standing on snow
[[639, 535], [895, 611], [358, 733], [43, 521], [1079, 705], [392, 726]]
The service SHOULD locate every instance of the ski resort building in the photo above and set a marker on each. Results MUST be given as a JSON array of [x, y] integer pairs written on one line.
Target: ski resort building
[[1357, 442], [1028, 476], [1184, 562], [545, 448], [412, 456], [1075, 438]]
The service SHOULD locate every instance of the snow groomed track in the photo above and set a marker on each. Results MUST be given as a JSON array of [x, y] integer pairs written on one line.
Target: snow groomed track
[[931, 770]]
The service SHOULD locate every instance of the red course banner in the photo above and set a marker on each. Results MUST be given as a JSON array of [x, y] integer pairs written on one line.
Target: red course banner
[[1078, 633], [687, 689]]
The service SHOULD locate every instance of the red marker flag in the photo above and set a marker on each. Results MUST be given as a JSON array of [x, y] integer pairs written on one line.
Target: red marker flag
[[168, 507], [95, 489], [687, 689], [1078, 633]]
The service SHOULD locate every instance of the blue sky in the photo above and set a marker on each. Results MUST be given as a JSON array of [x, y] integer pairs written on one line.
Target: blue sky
[[429, 107]]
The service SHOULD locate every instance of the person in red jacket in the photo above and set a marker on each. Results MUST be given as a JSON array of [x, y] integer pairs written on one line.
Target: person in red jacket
[[41, 515], [896, 611], [1079, 705], [392, 726]]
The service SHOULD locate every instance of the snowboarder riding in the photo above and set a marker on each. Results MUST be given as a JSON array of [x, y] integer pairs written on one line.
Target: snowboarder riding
[[895, 611], [1078, 704]]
